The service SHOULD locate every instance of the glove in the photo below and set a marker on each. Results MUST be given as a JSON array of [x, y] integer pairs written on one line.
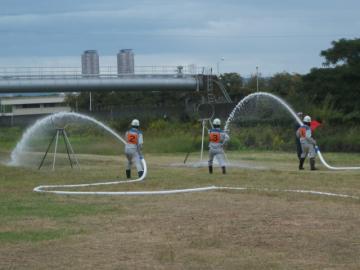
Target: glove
[[141, 157], [316, 148]]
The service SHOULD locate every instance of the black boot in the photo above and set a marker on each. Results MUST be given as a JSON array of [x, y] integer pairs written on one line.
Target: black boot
[[312, 164], [210, 169], [128, 174], [223, 169], [301, 163], [140, 173]]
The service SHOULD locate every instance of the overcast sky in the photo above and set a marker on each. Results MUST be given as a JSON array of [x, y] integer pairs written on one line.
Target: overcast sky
[[277, 36]]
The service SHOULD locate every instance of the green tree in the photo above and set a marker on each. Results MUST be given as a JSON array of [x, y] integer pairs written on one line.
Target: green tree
[[260, 83], [339, 81], [234, 84], [346, 52], [285, 84], [232, 81]]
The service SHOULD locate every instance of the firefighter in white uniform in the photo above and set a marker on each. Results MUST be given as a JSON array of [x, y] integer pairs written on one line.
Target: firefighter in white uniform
[[134, 142], [308, 143], [217, 140]]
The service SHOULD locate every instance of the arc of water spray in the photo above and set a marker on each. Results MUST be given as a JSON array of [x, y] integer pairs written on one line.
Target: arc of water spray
[[293, 114], [51, 118], [45, 188]]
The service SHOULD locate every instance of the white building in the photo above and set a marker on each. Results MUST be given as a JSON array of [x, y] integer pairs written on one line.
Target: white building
[[34, 105]]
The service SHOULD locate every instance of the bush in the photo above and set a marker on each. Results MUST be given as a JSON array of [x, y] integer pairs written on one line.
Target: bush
[[165, 136]]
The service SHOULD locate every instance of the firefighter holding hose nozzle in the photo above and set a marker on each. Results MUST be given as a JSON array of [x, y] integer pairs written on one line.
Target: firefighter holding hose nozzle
[[308, 143]]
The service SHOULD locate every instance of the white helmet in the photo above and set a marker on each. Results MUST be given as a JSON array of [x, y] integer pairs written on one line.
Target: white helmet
[[307, 119], [135, 123], [216, 122]]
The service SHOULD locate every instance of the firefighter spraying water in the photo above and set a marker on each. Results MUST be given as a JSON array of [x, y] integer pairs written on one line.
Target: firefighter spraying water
[[308, 143], [134, 142], [217, 140]]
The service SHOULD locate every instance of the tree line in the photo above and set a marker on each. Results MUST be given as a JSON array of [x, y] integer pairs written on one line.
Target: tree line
[[330, 93]]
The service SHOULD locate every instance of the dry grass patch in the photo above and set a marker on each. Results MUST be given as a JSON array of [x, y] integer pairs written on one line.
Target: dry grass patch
[[213, 230]]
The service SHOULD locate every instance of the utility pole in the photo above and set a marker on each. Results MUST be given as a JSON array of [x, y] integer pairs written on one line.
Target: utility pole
[[90, 103], [218, 65], [257, 79]]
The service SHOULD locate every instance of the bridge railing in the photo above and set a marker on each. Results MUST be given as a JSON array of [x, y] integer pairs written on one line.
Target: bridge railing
[[104, 71]]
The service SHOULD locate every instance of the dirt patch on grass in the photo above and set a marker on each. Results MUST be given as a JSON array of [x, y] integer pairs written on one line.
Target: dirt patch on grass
[[30, 223], [216, 230]]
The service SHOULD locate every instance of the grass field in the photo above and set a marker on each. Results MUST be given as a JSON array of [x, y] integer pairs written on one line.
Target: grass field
[[250, 229]]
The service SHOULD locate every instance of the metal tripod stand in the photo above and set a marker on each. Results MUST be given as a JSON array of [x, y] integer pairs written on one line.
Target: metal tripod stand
[[69, 149], [206, 113]]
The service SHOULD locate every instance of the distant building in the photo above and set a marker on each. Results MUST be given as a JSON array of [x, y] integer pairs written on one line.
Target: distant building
[[90, 63], [125, 61], [24, 109]]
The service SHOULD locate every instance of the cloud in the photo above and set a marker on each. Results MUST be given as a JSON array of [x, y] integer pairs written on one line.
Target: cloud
[[274, 34], [243, 63]]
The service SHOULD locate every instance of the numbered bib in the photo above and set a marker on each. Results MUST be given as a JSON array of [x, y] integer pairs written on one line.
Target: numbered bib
[[302, 132], [132, 138], [214, 137]]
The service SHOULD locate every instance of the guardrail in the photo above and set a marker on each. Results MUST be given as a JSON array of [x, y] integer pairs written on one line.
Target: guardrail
[[104, 71]]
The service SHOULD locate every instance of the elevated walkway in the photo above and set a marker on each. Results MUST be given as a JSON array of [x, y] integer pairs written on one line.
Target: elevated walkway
[[168, 78], [79, 83]]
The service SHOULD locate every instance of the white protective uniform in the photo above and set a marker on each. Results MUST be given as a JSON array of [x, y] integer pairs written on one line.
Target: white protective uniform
[[217, 139], [307, 141], [134, 141]]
